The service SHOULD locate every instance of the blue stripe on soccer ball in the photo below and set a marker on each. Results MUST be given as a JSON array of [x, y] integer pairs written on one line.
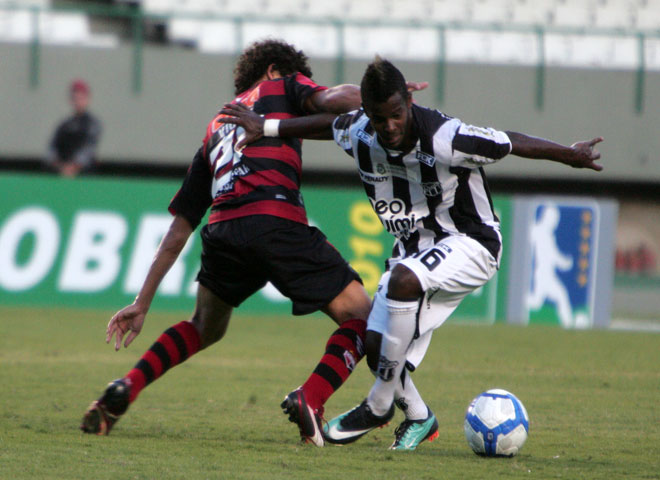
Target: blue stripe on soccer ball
[[491, 434]]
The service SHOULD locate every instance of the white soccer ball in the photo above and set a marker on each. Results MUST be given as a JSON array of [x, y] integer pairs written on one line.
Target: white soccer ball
[[496, 424]]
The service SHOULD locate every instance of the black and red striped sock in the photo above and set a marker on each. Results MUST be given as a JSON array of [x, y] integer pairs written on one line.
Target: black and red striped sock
[[343, 351], [174, 346]]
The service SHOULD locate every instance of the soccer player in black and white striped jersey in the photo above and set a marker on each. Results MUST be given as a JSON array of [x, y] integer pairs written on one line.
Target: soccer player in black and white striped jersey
[[422, 171]]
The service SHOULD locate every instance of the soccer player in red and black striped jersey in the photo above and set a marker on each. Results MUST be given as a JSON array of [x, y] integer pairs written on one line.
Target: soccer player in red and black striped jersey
[[257, 232]]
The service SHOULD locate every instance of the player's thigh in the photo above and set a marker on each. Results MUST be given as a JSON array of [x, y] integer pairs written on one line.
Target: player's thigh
[[455, 265], [449, 272], [229, 268], [378, 315], [305, 267]]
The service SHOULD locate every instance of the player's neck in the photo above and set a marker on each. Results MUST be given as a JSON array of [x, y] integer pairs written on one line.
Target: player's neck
[[270, 74]]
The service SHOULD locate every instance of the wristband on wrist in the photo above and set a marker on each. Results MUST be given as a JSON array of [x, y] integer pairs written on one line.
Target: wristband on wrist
[[271, 128]]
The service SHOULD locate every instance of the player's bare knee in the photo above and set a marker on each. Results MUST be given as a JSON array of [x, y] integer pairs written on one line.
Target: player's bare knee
[[210, 330], [352, 303], [361, 309], [403, 284]]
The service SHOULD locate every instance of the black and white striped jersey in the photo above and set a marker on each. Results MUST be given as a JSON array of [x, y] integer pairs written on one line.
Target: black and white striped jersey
[[435, 190]]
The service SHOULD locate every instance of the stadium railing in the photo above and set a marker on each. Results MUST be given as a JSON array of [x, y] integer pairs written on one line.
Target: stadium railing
[[542, 35]]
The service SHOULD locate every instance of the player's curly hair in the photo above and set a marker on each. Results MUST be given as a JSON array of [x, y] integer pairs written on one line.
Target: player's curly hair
[[256, 58], [380, 81]]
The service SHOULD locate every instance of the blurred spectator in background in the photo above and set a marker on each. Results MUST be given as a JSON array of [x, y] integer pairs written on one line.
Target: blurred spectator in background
[[72, 149]]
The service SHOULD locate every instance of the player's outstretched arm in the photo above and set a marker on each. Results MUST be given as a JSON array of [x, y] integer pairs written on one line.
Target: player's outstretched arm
[[578, 155], [316, 127], [338, 99], [131, 318], [335, 100], [345, 98]]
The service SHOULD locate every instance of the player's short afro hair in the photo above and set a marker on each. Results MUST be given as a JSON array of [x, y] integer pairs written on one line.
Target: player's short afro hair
[[380, 81], [255, 59]]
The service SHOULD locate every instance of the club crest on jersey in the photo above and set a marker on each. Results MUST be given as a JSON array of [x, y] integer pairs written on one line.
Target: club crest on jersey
[[431, 189], [345, 141], [365, 137], [425, 158]]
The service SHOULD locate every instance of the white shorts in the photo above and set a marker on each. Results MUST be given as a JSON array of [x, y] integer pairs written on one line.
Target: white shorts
[[453, 268]]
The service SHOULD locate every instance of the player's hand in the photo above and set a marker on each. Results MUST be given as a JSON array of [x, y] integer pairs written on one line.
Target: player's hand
[[416, 86], [128, 319], [252, 123], [584, 155]]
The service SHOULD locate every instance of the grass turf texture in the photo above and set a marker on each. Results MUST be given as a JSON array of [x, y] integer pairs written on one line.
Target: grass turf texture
[[592, 396]]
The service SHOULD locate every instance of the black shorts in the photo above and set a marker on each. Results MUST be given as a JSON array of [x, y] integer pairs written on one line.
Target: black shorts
[[240, 256]]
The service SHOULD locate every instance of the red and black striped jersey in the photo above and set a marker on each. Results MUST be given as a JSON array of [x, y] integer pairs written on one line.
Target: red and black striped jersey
[[261, 179]]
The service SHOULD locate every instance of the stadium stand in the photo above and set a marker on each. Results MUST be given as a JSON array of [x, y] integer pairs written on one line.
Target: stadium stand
[[474, 30], [471, 28], [53, 28], [564, 13]]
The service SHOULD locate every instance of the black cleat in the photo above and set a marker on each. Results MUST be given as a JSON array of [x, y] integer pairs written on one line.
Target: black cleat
[[349, 426], [104, 412], [308, 420]]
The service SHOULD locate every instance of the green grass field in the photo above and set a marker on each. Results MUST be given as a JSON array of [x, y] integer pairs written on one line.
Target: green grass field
[[593, 398]]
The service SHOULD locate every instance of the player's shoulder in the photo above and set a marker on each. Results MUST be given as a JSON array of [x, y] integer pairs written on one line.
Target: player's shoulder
[[351, 119], [299, 77], [215, 128], [214, 124], [300, 80], [429, 120]]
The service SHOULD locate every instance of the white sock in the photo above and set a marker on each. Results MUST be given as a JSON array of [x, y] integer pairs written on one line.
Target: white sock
[[396, 339], [409, 400]]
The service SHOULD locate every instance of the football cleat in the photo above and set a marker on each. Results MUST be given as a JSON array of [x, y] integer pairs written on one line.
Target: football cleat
[[103, 413], [413, 432], [307, 419], [349, 426]]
